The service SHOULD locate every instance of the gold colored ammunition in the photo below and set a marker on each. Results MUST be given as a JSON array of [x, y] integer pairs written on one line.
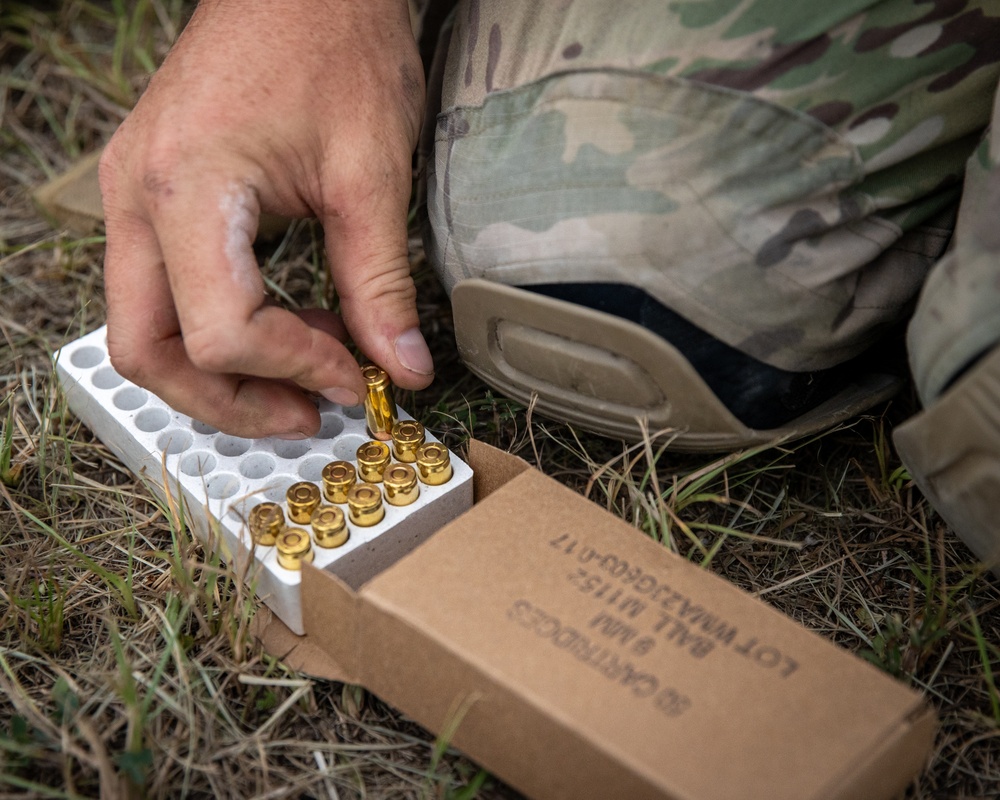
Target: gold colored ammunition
[[338, 478], [400, 483], [266, 521], [302, 497], [380, 408], [364, 505], [433, 464], [294, 548], [329, 526], [407, 436], [373, 458]]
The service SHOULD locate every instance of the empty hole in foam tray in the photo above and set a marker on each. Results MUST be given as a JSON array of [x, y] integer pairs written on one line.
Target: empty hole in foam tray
[[346, 447], [241, 507], [107, 378], [152, 419], [232, 445], [201, 427], [87, 357], [198, 463], [354, 412], [222, 485], [174, 441], [130, 398], [278, 487], [312, 468], [257, 466], [290, 448], [332, 426]]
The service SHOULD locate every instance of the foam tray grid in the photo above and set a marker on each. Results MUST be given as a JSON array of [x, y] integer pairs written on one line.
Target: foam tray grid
[[222, 477]]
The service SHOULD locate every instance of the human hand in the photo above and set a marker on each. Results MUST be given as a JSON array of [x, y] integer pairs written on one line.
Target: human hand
[[296, 107]]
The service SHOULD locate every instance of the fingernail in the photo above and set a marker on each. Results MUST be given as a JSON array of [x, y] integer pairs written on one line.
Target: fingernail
[[291, 436], [344, 397], [412, 352]]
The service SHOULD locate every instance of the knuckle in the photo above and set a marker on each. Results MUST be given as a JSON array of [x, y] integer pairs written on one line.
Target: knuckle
[[158, 165], [109, 167], [368, 185], [386, 280], [127, 361], [145, 173], [211, 351], [387, 290]]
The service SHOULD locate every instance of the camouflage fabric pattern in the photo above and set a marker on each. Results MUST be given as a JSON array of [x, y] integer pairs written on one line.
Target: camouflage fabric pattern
[[779, 173], [958, 316]]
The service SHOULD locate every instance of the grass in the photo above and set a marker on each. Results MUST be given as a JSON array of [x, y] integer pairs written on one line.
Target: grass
[[127, 668]]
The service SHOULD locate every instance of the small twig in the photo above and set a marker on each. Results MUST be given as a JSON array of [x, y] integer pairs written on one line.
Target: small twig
[[786, 583]]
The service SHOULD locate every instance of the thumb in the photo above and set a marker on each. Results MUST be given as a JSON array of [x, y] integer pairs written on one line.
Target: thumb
[[371, 272]]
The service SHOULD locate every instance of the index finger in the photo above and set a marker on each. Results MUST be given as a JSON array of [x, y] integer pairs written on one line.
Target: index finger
[[205, 232]]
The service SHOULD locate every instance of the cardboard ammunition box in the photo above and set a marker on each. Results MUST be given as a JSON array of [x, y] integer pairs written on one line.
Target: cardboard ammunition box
[[573, 657]]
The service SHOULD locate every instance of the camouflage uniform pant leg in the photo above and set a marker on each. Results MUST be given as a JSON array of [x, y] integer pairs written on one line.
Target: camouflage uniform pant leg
[[958, 316], [765, 168], [951, 447]]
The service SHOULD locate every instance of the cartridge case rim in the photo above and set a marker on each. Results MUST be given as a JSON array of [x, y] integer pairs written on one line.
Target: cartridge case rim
[[372, 465], [329, 526], [302, 497], [401, 486], [364, 505], [265, 522], [375, 377], [407, 436], [434, 464], [294, 547], [335, 487]]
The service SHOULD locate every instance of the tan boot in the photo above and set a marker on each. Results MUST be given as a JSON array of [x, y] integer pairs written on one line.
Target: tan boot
[[606, 374]]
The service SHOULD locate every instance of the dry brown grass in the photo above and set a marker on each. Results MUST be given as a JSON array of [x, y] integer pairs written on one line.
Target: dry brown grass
[[126, 667]]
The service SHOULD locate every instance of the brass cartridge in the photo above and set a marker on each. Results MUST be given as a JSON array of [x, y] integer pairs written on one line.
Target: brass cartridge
[[338, 478], [294, 548], [433, 464], [400, 482], [302, 497], [329, 526], [364, 505], [373, 458], [407, 436], [380, 408], [266, 522]]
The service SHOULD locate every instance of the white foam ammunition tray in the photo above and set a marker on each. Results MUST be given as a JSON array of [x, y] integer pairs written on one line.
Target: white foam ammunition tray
[[221, 477]]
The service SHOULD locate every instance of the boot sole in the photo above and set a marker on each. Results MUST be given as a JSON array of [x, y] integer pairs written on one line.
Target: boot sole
[[613, 377]]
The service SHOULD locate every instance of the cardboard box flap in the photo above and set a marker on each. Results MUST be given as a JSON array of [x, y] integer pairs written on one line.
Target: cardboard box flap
[[492, 468], [301, 653], [906, 751], [538, 610], [73, 199], [330, 606], [330, 613]]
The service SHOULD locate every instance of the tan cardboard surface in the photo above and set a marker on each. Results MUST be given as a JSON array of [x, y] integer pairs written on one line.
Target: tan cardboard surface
[[329, 606], [574, 657], [655, 662], [493, 468], [298, 652], [73, 199]]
